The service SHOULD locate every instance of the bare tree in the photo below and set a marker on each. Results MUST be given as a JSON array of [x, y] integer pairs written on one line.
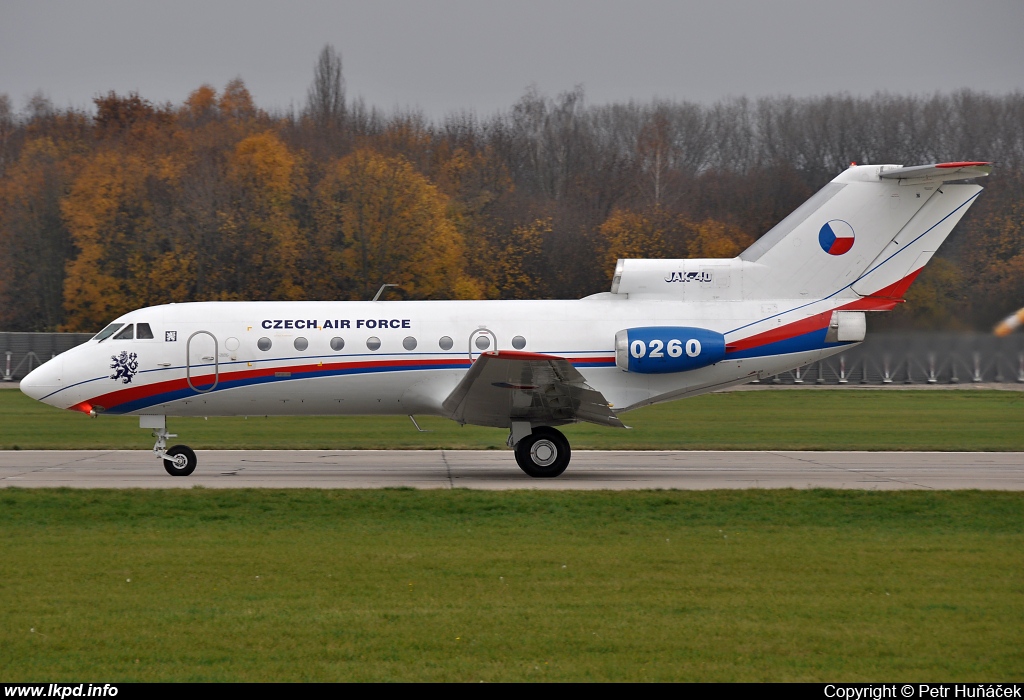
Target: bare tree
[[325, 103], [38, 107], [6, 128]]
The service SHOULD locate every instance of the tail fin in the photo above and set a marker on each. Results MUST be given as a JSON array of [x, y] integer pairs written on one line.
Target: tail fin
[[864, 235]]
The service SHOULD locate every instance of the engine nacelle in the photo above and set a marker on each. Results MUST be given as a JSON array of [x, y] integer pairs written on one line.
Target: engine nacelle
[[664, 349]]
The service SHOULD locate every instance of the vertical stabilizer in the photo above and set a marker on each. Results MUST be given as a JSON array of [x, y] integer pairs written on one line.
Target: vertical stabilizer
[[841, 241]]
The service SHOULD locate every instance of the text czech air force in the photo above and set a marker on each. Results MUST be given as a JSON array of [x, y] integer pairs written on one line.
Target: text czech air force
[[303, 323]]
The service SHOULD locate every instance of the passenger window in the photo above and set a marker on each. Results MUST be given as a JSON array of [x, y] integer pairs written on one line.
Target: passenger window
[[127, 334], [373, 343], [337, 344], [519, 342], [301, 343], [409, 343], [263, 344], [144, 331], [445, 343]]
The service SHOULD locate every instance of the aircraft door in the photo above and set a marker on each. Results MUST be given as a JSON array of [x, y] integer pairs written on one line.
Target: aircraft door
[[480, 341], [202, 371]]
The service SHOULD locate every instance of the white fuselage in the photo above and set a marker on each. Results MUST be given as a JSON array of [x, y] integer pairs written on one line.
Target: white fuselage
[[196, 344]]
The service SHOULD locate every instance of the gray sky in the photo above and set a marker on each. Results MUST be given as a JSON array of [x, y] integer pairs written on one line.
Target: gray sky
[[449, 55]]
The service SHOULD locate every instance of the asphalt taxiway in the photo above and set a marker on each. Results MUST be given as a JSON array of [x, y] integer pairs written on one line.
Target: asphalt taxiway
[[497, 470]]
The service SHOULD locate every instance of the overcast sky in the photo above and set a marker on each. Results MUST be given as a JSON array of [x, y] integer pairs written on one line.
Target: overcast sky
[[449, 55]]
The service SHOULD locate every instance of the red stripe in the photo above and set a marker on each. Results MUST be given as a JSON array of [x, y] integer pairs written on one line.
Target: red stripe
[[962, 164], [896, 290], [886, 298], [790, 330]]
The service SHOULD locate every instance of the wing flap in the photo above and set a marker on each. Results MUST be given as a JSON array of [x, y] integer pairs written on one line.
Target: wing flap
[[507, 386]]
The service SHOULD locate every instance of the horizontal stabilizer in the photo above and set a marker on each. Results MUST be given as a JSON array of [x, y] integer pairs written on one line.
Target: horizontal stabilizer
[[939, 172]]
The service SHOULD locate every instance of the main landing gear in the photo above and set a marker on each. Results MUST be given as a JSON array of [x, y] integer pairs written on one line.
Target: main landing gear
[[542, 453], [179, 460]]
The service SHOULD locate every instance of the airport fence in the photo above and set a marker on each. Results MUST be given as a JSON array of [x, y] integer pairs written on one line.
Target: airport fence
[[20, 353], [887, 359], [883, 359]]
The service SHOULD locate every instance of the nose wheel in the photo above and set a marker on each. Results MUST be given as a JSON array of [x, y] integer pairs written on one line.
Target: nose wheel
[[180, 460], [544, 453]]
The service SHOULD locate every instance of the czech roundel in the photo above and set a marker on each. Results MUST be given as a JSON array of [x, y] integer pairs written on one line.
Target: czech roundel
[[836, 237]]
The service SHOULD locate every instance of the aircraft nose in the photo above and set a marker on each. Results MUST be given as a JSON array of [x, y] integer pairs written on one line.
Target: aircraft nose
[[44, 379]]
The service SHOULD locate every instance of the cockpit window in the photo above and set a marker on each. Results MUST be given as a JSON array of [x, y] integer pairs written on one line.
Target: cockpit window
[[127, 334], [108, 331], [143, 331]]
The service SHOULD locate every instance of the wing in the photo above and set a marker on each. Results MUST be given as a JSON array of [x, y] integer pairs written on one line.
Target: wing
[[507, 386]]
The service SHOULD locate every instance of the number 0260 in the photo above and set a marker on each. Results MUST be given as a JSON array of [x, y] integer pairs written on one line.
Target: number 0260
[[658, 348]]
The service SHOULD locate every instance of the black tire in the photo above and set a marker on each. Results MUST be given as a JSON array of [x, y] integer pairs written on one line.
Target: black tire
[[183, 461], [544, 454]]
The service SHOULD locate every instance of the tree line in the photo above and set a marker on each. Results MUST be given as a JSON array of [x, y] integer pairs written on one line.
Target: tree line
[[139, 203]]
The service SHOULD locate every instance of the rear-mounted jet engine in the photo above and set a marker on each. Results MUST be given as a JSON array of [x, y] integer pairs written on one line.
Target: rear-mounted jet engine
[[664, 349]]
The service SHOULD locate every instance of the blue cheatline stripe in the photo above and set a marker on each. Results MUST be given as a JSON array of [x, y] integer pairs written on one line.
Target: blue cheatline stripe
[[815, 340]]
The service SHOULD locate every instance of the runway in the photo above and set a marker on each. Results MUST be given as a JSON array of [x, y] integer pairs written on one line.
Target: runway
[[497, 470]]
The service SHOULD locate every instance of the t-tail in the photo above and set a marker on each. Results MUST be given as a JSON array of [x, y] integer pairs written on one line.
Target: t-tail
[[860, 241]]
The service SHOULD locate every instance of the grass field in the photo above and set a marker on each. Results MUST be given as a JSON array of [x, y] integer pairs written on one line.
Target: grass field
[[468, 586], [747, 420]]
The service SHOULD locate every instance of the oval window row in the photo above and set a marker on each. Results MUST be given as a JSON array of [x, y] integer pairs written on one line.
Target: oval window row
[[373, 343]]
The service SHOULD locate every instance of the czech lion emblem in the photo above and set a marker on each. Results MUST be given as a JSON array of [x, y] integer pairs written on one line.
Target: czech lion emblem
[[125, 366]]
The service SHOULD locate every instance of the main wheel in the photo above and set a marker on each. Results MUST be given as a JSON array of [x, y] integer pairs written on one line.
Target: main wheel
[[182, 461], [544, 453]]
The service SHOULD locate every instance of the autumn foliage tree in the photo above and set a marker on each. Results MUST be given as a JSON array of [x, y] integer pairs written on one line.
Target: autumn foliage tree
[[716, 239], [259, 229], [385, 223], [630, 234], [658, 234], [108, 216]]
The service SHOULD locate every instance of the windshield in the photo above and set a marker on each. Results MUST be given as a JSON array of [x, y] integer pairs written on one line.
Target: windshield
[[108, 331]]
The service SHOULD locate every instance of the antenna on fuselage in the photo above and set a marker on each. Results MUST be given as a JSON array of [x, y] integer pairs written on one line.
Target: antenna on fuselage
[[381, 290]]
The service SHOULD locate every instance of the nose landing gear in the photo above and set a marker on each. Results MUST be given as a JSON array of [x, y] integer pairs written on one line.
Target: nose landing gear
[[179, 460]]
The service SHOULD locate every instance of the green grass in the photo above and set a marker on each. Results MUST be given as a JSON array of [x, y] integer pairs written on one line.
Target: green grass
[[466, 586], [747, 420]]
